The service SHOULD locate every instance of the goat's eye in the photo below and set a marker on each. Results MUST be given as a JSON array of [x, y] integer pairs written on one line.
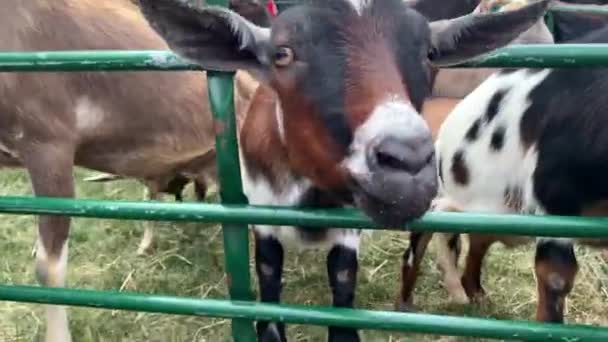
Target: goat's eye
[[283, 56]]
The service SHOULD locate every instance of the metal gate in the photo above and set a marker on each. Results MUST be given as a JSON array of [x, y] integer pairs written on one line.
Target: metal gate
[[234, 213]]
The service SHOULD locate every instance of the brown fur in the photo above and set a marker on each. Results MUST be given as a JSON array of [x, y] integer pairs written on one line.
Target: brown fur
[[372, 74], [167, 129], [410, 272], [259, 137]]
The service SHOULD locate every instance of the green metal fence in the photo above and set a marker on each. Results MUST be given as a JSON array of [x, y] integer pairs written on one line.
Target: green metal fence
[[234, 213]]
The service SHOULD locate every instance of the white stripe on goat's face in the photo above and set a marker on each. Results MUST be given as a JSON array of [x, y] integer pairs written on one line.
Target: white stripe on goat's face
[[484, 164]]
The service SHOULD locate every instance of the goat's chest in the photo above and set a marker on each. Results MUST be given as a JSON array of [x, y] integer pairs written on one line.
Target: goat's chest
[[261, 191]]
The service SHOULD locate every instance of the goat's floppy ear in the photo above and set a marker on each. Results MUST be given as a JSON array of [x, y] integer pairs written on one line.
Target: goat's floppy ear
[[213, 37], [457, 40]]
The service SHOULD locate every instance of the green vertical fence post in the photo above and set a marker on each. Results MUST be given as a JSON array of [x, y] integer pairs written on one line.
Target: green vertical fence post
[[236, 238]]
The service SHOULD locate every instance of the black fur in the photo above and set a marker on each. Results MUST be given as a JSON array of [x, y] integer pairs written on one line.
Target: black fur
[[459, 169], [441, 9], [473, 131], [342, 267], [497, 139], [314, 198], [269, 259], [567, 120], [455, 246], [494, 105], [440, 169]]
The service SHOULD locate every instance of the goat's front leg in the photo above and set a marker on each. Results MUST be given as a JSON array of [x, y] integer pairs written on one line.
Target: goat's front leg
[[342, 267], [269, 268]]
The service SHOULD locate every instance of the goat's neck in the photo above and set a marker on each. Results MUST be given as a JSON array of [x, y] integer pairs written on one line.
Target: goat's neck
[[263, 151]]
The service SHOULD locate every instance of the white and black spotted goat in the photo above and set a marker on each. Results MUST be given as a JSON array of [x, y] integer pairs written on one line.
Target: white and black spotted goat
[[451, 85], [529, 141]]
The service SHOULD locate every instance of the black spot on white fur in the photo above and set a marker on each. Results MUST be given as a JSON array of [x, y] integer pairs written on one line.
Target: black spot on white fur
[[473, 131], [494, 104], [459, 169], [440, 169], [497, 140]]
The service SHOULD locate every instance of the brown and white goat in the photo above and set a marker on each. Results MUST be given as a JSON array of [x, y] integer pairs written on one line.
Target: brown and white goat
[[336, 121], [529, 141], [144, 125]]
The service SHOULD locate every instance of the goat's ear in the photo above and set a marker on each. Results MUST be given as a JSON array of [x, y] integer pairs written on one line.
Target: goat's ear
[[213, 37], [454, 41]]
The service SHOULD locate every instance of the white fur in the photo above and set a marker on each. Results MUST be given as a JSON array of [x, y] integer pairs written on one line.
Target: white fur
[[278, 112], [393, 117], [56, 316], [146, 240], [249, 33], [259, 192], [359, 5], [10, 152], [490, 173], [88, 114]]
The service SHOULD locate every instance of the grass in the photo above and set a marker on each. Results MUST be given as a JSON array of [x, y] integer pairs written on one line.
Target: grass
[[188, 260]]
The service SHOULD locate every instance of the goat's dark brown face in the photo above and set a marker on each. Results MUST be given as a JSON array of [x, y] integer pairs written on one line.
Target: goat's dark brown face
[[351, 76]]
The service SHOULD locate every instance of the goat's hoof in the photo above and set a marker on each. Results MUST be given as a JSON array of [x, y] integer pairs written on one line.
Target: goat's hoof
[[473, 290], [272, 332], [343, 335], [456, 291], [460, 298], [144, 250], [476, 295], [402, 306]]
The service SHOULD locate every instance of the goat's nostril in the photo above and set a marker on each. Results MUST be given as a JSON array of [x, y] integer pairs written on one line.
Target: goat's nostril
[[389, 161], [400, 155]]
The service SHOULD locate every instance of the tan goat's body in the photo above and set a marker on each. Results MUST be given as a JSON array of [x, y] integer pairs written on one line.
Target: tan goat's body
[[136, 124]]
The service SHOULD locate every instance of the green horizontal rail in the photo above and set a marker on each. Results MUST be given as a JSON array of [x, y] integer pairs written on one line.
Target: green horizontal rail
[[543, 56], [93, 60], [515, 56], [314, 315], [530, 225]]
